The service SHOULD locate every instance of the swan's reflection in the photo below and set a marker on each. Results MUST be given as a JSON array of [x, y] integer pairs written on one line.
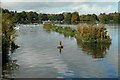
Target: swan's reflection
[[60, 50]]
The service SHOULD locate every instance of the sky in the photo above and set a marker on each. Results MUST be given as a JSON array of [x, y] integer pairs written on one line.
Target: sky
[[58, 6]]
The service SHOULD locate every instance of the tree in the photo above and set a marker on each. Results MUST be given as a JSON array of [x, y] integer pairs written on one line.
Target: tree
[[40, 18], [16, 18], [67, 18], [116, 18], [60, 17], [89, 18], [29, 16], [45, 17], [52, 17], [75, 18], [5, 11], [24, 18], [103, 18], [34, 17]]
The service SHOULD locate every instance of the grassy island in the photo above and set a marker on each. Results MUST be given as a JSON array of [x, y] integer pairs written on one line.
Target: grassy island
[[95, 33]]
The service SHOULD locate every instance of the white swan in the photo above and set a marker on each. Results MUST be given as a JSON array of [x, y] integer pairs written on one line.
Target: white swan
[[17, 28]]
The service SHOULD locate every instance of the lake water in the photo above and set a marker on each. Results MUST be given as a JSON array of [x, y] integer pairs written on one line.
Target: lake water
[[38, 56]]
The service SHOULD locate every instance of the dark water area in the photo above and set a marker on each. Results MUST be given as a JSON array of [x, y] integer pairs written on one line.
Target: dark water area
[[38, 56]]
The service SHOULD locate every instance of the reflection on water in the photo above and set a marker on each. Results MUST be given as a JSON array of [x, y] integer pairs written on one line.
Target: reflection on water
[[98, 50], [38, 56], [9, 68], [60, 50], [10, 65]]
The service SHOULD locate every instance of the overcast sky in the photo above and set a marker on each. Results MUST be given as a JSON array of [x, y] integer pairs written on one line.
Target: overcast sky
[[83, 6]]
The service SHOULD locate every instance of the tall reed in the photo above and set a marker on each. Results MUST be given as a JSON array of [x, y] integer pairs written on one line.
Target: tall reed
[[92, 32]]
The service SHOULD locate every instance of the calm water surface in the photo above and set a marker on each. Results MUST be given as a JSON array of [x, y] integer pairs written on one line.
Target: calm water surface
[[38, 56]]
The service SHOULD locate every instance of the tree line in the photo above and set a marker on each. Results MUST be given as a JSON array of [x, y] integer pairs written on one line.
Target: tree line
[[63, 18]]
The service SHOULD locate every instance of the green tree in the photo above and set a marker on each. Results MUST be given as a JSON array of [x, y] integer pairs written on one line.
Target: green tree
[[60, 17], [52, 17], [5, 11], [40, 18], [16, 18], [35, 17], [67, 18], [24, 18], [45, 17], [103, 18], [89, 18], [116, 18]]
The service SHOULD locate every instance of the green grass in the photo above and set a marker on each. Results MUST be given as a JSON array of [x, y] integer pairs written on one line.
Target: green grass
[[67, 31]]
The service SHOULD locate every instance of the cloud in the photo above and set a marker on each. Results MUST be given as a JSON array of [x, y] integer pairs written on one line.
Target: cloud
[[96, 7], [32, 5], [59, 0], [59, 7]]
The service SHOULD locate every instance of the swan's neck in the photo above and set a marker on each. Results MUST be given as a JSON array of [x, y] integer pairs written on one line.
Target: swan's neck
[[60, 43]]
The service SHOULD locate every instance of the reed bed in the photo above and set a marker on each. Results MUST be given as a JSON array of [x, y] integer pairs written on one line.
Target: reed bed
[[92, 33]]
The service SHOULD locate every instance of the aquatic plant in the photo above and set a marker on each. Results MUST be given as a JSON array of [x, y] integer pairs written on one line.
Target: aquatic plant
[[47, 26], [93, 32]]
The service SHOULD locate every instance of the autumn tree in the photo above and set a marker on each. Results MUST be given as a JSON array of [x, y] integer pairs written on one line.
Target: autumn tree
[[75, 18]]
